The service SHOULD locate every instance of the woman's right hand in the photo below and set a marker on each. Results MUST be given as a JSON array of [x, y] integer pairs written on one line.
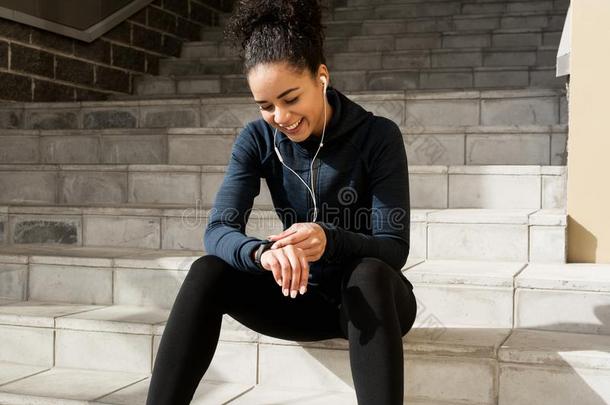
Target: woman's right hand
[[290, 268]]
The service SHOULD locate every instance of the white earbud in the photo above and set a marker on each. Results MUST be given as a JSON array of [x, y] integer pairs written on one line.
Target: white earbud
[[324, 82]]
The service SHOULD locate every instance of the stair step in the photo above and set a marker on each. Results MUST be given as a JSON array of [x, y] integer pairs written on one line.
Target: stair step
[[499, 187], [51, 386], [415, 108], [428, 58], [457, 78], [425, 145], [442, 8], [506, 235]]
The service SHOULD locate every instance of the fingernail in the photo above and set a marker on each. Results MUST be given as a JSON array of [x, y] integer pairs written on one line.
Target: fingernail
[[285, 292], [302, 289], [293, 294]]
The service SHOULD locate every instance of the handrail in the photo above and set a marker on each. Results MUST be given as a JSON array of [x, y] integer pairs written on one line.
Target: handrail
[[85, 20]]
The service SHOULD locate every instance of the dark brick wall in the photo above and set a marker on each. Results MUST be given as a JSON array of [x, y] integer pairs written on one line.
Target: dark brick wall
[[37, 65]]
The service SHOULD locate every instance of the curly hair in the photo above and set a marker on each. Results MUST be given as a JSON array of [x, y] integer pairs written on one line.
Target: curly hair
[[278, 30]]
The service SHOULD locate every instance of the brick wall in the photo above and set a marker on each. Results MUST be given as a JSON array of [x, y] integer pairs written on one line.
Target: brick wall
[[37, 65]]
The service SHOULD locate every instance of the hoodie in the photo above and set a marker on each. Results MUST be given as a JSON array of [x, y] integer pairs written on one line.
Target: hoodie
[[361, 188]]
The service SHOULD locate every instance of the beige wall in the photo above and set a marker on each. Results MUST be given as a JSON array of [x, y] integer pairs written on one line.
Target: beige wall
[[589, 133]]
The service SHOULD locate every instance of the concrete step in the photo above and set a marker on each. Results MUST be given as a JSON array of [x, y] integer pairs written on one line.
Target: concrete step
[[425, 58], [464, 328], [482, 38], [457, 78], [442, 8], [416, 109], [425, 145], [549, 20], [496, 187], [466, 234]]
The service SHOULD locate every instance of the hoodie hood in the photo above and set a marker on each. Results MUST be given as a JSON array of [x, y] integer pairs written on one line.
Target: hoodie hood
[[347, 116]]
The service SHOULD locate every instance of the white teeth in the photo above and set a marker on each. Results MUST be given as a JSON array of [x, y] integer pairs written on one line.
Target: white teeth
[[293, 126]]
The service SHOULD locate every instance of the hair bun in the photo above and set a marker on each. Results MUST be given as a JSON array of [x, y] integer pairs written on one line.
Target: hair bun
[[300, 17]]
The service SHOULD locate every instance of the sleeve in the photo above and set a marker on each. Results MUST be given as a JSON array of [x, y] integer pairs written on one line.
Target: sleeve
[[225, 232], [390, 211]]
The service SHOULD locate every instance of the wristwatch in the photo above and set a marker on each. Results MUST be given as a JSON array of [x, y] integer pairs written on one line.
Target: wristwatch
[[263, 247]]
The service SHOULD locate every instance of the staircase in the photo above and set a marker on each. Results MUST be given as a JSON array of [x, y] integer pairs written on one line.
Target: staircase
[[104, 204]]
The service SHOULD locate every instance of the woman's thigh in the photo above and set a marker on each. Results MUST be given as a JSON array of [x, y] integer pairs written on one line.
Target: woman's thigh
[[256, 301]]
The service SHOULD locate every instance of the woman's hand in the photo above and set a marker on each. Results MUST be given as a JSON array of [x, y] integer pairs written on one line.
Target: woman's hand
[[289, 267], [308, 236]]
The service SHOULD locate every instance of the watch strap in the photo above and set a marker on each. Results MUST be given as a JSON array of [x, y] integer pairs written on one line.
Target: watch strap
[[262, 248]]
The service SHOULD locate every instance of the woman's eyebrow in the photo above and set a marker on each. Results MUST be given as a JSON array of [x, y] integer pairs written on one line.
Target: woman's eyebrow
[[280, 96]]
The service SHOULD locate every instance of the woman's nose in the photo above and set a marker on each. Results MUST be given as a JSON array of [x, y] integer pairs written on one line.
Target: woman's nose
[[281, 116]]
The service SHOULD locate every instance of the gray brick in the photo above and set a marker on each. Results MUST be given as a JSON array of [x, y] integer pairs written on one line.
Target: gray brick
[[517, 39], [520, 58], [169, 116], [370, 44], [351, 14], [559, 154], [445, 80], [435, 149], [223, 116], [128, 58], [98, 50], [142, 232], [103, 119], [19, 149], [520, 111], [73, 70], [456, 59], [4, 54], [35, 186], [31, 60], [467, 41], [11, 119], [15, 87], [198, 86], [402, 60], [380, 27], [234, 84], [344, 28], [13, 279], [525, 6], [546, 79], [551, 38], [457, 112], [49, 40], [48, 231], [49, 91], [112, 79], [199, 150], [501, 78], [546, 57], [391, 109], [88, 187], [156, 85], [70, 149], [333, 45], [51, 119], [134, 149], [349, 81], [507, 149], [356, 61], [483, 8], [164, 188], [392, 80], [437, 9], [468, 24], [524, 21], [428, 190], [418, 42]]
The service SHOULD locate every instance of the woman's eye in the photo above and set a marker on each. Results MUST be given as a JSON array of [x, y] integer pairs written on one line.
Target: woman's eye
[[294, 100], [265, 108]]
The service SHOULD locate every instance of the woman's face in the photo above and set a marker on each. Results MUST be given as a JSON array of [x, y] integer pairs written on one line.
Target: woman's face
[[289, 100]]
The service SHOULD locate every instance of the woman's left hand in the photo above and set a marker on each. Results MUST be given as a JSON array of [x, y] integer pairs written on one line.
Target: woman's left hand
[[308, 236]]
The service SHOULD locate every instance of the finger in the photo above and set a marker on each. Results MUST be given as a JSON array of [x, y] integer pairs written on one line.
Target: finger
[[296, 272], [282, 234], [276, 270], [304, 275], [286, 273], [290, 240]]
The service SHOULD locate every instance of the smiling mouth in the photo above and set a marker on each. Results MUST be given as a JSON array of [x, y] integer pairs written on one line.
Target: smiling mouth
[[293, 126]]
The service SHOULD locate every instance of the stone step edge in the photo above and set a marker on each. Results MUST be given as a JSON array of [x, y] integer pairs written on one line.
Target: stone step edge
[[496, 93], [548, 13], [507, 170], [513, 345], [233, 59], [150, 78], [232, 131]]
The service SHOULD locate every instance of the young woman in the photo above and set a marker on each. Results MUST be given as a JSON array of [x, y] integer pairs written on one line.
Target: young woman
[[339, 182]]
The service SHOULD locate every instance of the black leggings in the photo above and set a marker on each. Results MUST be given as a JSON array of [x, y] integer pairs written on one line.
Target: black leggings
[[366, 302]]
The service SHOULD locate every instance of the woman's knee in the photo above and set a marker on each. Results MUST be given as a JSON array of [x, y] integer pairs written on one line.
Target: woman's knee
[[370, 271]]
